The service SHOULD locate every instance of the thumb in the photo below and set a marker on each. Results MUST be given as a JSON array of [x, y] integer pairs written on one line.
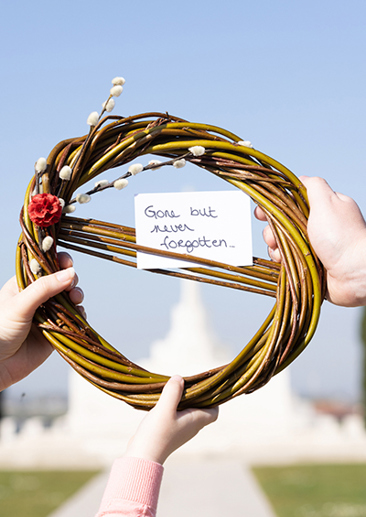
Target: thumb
[[172, 393], [42, 290]]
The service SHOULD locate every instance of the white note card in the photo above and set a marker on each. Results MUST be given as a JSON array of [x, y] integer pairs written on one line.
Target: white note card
[[210, 225]]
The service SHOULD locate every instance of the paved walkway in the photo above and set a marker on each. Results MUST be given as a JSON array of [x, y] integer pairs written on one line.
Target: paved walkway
[[198, 488]]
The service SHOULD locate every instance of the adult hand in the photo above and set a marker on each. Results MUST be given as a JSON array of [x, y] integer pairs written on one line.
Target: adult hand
[[164, 429], [337, 233], [22, 346]]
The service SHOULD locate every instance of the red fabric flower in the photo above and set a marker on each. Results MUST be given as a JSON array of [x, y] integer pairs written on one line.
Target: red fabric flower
[[45, 210]]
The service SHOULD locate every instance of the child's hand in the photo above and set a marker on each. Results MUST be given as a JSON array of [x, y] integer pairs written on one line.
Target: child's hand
[[164, 429]]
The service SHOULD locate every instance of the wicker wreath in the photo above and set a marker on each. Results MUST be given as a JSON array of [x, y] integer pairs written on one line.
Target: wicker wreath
[[297, 284]]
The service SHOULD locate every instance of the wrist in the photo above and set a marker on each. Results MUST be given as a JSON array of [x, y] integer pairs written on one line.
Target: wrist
[[144, 452], [142, 457]]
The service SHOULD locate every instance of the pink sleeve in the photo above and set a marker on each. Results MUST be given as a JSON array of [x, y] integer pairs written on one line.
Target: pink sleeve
[[132, 489]]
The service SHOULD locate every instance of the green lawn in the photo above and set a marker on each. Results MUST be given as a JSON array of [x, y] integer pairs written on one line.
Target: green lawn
[[37, 493], [315, 490]]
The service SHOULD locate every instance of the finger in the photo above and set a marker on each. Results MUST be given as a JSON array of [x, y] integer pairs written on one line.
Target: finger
[[41, 290], [213, 414], [206, 416], [73, 283], [274, 254], [76, 295], [260, 214], [199, 418], [172, 393], [269, 237], [82, 311], [65, 260]]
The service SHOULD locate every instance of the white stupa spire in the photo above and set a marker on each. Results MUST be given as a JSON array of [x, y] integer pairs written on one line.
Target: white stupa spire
[[190, 345], [254, 424]]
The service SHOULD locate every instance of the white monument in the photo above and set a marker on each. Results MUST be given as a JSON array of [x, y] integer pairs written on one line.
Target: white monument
[[105, 424]]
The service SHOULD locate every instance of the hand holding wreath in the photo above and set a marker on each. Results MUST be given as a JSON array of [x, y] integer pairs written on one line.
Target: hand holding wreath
[[22, 346]]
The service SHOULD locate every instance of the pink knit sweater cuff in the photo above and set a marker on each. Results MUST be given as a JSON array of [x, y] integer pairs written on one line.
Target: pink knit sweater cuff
[[133, 479]]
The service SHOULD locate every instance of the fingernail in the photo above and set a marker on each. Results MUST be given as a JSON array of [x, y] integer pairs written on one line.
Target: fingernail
[[176, 378], [65, 274], [81, 293]]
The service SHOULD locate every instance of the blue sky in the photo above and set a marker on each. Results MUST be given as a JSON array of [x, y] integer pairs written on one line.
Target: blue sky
[[289, 76]]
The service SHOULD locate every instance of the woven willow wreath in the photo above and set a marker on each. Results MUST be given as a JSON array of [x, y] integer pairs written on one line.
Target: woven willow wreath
[[297, 284]]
